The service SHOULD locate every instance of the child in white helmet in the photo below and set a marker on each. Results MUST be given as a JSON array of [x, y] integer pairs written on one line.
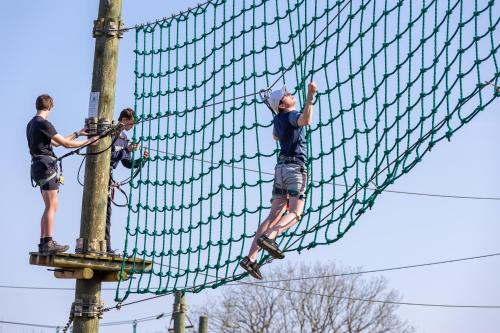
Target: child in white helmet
[[290, 175]]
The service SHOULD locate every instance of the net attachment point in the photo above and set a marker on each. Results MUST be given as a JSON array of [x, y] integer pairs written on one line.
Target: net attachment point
[[109, 27]]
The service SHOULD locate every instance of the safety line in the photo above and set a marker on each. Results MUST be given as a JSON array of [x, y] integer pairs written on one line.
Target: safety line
[[438, 195]]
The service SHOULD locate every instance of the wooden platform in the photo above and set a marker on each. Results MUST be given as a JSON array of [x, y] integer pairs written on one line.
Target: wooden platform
[[83, 266]]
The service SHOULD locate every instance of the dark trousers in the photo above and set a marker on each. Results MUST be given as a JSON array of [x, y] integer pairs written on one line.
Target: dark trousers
[[107, 235]]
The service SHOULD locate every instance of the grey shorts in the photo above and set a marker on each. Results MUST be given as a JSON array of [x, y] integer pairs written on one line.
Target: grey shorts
[[289, 181]]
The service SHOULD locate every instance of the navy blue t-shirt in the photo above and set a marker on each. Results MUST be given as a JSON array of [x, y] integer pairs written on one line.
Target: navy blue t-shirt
[[291, 136]]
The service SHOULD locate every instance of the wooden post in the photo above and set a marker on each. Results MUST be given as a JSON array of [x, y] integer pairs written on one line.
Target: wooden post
[[180, 309], [203, 324], [86, 309]]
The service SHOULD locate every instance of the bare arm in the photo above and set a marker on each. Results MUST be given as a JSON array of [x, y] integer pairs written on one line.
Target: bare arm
[[307, 113], [70, 137], [69, 141]]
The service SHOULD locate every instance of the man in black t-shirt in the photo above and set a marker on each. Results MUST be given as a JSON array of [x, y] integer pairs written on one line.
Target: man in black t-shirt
[[42, 136]]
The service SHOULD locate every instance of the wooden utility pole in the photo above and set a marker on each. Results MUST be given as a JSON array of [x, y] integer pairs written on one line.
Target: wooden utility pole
[[203, 324], [86, 309], [180, 309]]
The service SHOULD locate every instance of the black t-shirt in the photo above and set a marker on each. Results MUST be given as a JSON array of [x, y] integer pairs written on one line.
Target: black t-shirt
[[39, 133]]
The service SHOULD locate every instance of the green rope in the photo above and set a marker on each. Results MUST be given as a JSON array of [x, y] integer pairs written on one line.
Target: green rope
[[394, 78]]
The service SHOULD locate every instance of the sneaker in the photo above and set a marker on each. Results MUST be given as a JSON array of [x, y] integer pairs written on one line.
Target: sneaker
[[52, 247], [251, 267], [270, 246]]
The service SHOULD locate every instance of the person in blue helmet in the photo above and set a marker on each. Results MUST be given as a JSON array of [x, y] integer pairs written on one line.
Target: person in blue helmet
[[290, 174]]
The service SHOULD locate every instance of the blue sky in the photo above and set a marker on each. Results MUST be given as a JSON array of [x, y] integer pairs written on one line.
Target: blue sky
[[48, 48]]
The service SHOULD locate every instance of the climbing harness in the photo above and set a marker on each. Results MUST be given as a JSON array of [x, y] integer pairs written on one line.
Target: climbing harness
[[52, 166], [47, 170]]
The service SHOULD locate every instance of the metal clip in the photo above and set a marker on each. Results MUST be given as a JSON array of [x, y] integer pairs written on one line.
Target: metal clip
[[102, 126], [91, 126], [264, 95]]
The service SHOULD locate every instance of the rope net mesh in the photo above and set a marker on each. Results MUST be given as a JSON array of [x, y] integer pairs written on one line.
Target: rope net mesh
[[394, 78]]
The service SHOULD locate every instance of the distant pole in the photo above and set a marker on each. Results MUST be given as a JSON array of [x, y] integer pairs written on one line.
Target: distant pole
[[180, 309], [87, 307], [134, 325], [203, 324]]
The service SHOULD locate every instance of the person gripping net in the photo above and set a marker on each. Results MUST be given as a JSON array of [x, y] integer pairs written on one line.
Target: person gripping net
[[290, 174]]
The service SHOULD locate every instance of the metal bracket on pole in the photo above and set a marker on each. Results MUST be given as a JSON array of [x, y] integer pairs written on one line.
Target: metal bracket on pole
[[108, 26], [87, 308]]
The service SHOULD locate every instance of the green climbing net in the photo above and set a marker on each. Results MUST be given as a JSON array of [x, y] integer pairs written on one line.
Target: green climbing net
[[394, 78]]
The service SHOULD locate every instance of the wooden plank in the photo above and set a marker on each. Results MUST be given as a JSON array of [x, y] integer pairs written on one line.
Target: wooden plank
[[97, 263]]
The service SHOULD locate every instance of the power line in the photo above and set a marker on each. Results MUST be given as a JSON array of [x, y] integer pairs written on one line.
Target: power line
[[112, 323], [434, 263], [441, 195], [468, 306], [139, 320], [28, 324], [49, 288], [380, 301], [378, 270], [261, 284]]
